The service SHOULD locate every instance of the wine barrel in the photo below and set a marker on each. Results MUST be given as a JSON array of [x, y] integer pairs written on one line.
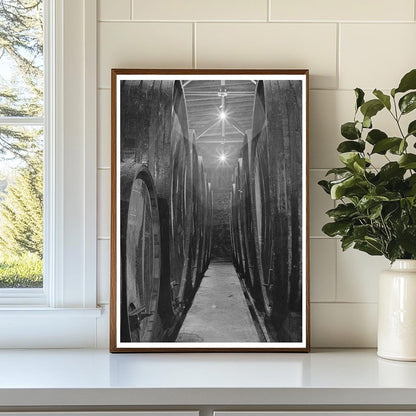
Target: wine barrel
[[252, 277], [201, 218], [208, 226], [196, 246], [276, 200], [210, 221], [235, 233], [154, 130], [242, 233], [181, 198], [140, 253]]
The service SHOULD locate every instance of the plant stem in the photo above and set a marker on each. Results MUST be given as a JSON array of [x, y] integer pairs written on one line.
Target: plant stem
[[397, 118]]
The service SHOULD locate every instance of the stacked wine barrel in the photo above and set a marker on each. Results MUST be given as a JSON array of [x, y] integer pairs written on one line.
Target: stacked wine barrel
[[266, 220], [165, 210]]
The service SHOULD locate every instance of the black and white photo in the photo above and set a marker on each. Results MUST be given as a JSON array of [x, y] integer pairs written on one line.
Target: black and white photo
[[209, 211]]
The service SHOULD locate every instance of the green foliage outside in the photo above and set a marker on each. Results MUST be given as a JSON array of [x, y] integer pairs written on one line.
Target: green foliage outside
[[376, 211], [21, 148], [21, 271]]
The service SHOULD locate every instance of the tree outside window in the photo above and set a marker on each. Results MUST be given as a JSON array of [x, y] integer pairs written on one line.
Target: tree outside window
[[21, 143]]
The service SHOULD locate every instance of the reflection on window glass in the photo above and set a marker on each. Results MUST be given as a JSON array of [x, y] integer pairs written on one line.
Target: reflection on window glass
[[21, 143]]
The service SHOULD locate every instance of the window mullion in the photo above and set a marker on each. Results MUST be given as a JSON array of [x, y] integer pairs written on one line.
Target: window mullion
[[22, 121]]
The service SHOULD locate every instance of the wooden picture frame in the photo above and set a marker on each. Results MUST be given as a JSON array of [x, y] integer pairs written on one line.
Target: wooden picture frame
[[209, 211]]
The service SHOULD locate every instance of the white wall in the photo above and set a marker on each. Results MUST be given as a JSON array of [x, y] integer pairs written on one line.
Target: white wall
[[344, 43]]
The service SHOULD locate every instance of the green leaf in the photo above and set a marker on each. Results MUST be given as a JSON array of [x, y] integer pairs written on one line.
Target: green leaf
[[368, 248], [408, 82], [383, 145], [411, 180], [375, 211], [375, 136], [359, 95], [339, 189], [407, 240], [342, 211], [408, 102], [408, 161], [361, 231], [367, 122], [349, 158], [338, 171], [371, 108], [350, 131], [359, 165], [336, 228], [411, 130], [349, 146], [385, 99], [391, 170], [393, 250], [346, 242], [398, 149], [369, 201], [325, 186]]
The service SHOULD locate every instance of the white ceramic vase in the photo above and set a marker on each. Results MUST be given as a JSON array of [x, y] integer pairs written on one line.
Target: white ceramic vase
[[397, 312]]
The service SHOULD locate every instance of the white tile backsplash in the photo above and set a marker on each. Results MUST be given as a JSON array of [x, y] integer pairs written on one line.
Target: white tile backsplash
[[323, 269], [200, 10], [341, 10], [271, 45], [357, 275], [319, 203], [114, 10], [345, 44], [344, 325], [376, 55], [142, 45], [103, 271]]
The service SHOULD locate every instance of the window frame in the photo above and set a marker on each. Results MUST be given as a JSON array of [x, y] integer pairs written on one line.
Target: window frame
[[68, 297]]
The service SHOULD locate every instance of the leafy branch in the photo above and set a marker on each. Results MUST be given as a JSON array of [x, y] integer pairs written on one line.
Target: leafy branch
[[376, 212]]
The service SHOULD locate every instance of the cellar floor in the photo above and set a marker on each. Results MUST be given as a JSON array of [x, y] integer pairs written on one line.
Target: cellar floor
[[219, 312]]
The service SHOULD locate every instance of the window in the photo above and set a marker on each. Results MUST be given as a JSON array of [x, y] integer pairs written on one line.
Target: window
[[63, 312], [22, 128]]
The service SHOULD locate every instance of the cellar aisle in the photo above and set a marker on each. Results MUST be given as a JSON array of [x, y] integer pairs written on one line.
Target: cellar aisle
[[219, 312]]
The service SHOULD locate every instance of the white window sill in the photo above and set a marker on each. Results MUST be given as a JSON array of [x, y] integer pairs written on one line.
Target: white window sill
[[37, 312], [328, 379], [40, 327]]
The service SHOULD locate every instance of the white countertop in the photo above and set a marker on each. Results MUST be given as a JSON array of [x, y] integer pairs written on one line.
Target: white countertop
[[96, 377]]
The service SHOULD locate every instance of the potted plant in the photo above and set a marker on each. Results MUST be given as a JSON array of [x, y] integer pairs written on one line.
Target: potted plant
[[376, 209]]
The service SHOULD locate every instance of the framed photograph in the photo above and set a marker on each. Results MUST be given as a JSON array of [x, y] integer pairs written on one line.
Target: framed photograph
[[209, 211]]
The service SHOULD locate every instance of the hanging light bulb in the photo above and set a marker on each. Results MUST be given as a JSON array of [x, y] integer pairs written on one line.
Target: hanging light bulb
[[222, 157], [223, 115]]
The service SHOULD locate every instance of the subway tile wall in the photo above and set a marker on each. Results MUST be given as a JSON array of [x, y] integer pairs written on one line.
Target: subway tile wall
[[345, 44]]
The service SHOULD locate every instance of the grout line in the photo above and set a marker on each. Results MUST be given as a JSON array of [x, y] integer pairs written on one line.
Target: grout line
[[414, 9], [319, 169], [104, 168], [194, 45], [103, 238], [189, 21], [344, 303], [338, 63], [310, 22], [323, 237], [269, 10], [131, 9]]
